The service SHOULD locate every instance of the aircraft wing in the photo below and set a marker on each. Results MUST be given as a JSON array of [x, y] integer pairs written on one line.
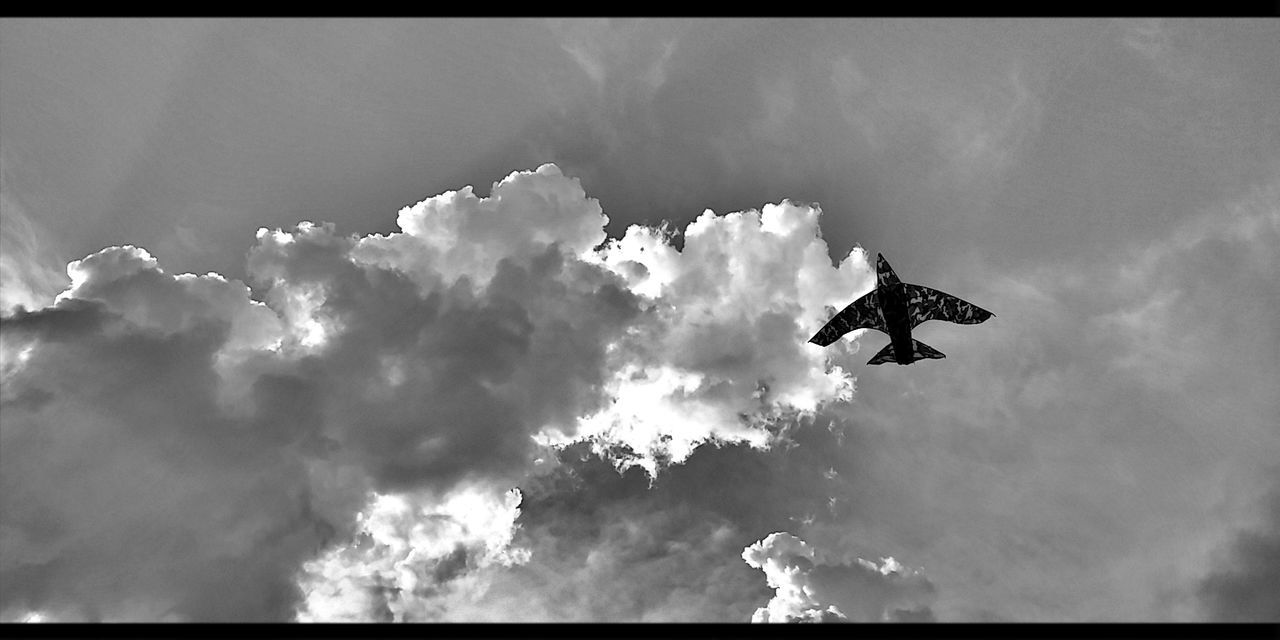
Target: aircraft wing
[[925, 304], [863, 313]]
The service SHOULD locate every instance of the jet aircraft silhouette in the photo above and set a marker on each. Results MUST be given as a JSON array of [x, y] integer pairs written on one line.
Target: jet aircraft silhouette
[[895, 308]]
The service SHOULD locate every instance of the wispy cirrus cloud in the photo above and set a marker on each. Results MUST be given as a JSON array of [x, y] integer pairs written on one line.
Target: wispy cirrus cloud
[[1115, 377], [28, 276]]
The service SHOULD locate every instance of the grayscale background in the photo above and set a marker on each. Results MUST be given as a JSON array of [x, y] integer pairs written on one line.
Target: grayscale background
[[1105, 449]]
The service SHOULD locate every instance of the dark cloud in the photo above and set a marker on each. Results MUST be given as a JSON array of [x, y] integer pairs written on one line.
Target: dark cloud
[[187, 386], [129, 493], [1246, 588], [603, 544], [433, 369], [401, 373]]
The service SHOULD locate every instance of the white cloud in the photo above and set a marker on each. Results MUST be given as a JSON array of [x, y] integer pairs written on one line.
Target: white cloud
[[610, 546], [414, 364], [810, 588], [725, 328], [458, 233], [26, 277], [128, 281], [408, 549]]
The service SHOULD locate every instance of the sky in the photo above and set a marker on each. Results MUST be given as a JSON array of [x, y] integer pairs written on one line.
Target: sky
[[505, 320]]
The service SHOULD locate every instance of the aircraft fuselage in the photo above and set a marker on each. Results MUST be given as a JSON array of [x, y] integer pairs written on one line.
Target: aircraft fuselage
[[893, 308]]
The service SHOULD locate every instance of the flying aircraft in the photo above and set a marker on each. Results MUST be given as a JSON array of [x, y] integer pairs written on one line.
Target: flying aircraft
[[896, 308]]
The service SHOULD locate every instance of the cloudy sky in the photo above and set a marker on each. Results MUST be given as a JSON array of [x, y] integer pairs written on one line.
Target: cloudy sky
[[505, 320]]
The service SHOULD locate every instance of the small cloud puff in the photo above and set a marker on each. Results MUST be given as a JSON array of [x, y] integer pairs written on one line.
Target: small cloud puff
[[811, 589]]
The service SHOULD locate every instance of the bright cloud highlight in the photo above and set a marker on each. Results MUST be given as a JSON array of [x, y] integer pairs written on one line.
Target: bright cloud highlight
[[402, 374], [810, 588]]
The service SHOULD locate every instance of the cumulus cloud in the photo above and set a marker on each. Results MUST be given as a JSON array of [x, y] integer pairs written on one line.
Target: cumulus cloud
[[128, 281], [173, 428], [593, 543], [410, 548], [811, 588], [723, 342], [127, 493]]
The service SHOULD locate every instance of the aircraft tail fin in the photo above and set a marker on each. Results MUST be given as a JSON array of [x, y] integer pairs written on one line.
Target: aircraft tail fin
[[884, 355], [923, 351], [919, 351]]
